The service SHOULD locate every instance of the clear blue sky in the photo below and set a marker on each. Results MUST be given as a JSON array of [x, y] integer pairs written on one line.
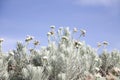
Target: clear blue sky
[[100, 18]]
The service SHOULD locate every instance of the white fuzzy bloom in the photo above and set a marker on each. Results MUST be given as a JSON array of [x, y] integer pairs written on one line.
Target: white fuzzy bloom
[[29, 38], [83, 32], [48, 34], [75, 30], [52, 32], [36, 42], [105, 43], [96, 59], [11, 53], [45, 58], [1, 40], [97, 69], [52, 27], [77, 44], [64, 38]]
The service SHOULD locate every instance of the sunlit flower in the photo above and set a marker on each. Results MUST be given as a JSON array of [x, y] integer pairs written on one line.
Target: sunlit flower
[[29, 38], [45, 58], [83, 32], [77, 44], [52, 27], [96, 59], [48, 34], [36, 42], [52, 32], [1, 40], [97, 69], [75, 30], [105, 43], [64, 38]]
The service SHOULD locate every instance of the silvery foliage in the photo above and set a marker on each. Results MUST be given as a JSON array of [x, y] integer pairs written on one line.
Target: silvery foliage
[[64, 58]]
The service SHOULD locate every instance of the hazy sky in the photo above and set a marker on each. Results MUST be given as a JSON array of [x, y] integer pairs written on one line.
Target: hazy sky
[[100, 18]]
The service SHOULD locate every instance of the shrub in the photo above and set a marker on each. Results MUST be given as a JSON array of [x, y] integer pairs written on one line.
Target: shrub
[[64, 58]]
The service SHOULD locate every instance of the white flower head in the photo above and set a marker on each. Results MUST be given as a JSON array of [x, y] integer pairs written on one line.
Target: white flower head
[[11, 53], [36, 42], [64, 38], [75, 30], [83, 32], [77, 44], [105, 43], [48, 34], [97, 69], [52, 27], [1, 40], [45, 58], [52, 32], [29, 38], [96, 59]]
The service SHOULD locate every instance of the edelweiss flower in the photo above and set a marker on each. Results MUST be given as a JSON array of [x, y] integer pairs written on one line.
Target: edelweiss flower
[[105, 43], [29, 38], [48, 34], [11, 53], [75, 30], [99, 44], [77, 44], [64, 38], [45, 58], [36, 42], [1, 40], [52, 32], [97, 69], [83, 32], [52, 27]]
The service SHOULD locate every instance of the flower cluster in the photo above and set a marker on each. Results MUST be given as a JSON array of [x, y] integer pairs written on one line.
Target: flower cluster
[[64, 58]]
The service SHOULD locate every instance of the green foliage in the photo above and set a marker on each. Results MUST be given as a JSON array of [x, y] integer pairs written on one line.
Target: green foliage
[[64, 58]]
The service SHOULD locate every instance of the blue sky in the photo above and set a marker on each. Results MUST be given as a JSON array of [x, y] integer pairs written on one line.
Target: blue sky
[[100, 18]]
